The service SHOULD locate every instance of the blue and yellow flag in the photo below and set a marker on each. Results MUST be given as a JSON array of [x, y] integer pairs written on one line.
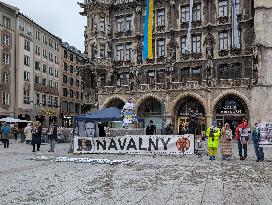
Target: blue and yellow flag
[[148, 28]]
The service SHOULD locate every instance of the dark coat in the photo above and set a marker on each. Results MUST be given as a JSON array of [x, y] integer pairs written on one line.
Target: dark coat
[[37, 136], [151, 130], [55, 133]]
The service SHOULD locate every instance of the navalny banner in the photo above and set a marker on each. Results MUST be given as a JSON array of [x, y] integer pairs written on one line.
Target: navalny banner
[[136, 144]]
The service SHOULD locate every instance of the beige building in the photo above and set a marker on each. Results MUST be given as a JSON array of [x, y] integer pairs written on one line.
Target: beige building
[[7, 65], [217, 80], [71, 84], [38, 72]]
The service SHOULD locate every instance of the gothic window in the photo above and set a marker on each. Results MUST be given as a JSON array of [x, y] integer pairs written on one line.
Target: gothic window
[[21, 25], [223, 40], [102, 51], [196, 41], [160, 48], [5, 58], [120, 24], [161, 18], [185, 14], [197, 13], [102, 24], [6, 39], [185, 74], [6, 22], [236, 71], [129, 51], [119, 53], [184, 42], [223, 8], [128, 23]]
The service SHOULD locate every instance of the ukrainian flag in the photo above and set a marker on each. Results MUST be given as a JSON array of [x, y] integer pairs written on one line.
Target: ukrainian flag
[[148, 28]]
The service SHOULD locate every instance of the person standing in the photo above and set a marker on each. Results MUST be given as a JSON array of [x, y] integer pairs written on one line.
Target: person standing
[[213, 135], [256, 139], [15, 131], [242, 136], [52, 134], [226, 134], [36, 135], [28, 133], [150, 129], [5, 131]]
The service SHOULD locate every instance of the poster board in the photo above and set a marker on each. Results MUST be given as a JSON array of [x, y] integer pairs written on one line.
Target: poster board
[[136, 144], [265, 134]]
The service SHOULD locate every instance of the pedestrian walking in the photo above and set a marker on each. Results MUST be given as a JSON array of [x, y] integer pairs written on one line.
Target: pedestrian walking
[[36, 135], [52, 134], [256, 139], [226, 134], [5, 134], [28, 133], [213, 135], [15, 131], [242, 136], [150, 129]]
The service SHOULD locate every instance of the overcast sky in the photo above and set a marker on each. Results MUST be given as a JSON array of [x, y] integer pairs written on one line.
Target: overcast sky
[[60, 17]]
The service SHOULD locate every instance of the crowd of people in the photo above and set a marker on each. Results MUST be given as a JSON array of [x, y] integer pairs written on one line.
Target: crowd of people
[[225, 136], [33, 134]]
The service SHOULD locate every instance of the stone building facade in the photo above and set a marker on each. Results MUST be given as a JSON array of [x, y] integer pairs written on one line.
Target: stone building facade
[[71, 94], [7, 66], [215, 81]]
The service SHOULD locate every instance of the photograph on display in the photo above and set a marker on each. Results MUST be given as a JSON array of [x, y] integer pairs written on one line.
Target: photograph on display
[[81, 129], [84, 145], [90, 129]]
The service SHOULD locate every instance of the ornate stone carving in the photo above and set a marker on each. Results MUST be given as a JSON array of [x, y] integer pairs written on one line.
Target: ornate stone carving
[[209, 43]]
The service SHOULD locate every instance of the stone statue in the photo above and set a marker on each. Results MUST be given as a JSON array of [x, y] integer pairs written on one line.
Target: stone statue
[[209, 41]]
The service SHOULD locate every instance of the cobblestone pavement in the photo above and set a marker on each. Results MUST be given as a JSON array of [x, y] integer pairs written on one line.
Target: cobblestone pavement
[[152, 180]]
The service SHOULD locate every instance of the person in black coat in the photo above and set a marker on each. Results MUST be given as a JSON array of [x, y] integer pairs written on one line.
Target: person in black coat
[[36, 135], [52, 134], [150, 129]]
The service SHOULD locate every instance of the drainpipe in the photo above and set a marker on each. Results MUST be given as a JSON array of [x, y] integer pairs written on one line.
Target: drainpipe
[[15, 65]]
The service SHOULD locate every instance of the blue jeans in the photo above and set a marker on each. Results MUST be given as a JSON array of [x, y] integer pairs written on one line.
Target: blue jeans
[[258, 150]]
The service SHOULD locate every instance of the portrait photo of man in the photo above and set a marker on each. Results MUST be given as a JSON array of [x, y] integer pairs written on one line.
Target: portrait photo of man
[[90, 129]]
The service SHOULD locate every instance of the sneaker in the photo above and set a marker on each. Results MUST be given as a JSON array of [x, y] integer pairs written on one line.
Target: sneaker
[[49, 150], [211, 158]]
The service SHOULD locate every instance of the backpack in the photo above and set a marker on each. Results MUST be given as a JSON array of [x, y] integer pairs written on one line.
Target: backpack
[[5, 130]]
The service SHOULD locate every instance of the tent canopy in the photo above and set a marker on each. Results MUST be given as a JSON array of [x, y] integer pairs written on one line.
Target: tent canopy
[[12, 120], [104, 115]]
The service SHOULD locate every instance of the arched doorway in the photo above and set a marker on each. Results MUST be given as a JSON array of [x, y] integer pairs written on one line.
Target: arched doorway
[[190, 106], [151, 109], [118, 103], [230, 109]]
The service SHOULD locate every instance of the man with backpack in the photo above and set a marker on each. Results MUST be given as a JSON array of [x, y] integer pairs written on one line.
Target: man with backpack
[[5, 132]]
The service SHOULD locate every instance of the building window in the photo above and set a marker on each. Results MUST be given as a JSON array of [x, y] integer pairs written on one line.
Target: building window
[[44, 53], [65, 54], [71, 69], [128, 20], [184, 74], [185, 14], [102, 24], [5, 99], [196, 74], [21, 25], [51, 72], [56, 85], [26, 60], [56, 102], [50, 43], [160, 48], [27, 45], [38, 50], [65, 79], [6, 22], [223, 8], [5, 58], [77, 95], [71, 57], [71, 93], [197, 13], [71, 81], [120, 24], [77, 71], [56, 60], [51, 57], [37, 79], [184, 42], [119, 53], [37, 34], [196, 41], [65, 66], [224, 72], [129, 51], [44, 81], [37, 65], [65, 92], [5, 77], [56, 46], [30, 30], [77, 83], [45, 39], [223, 40], [37, 98], [26, 76], [6, 40], [26, 96], [237, 6], [161, 18], [50, 83], [56, 73], [44, 99], [44, 68], [102, 51]]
